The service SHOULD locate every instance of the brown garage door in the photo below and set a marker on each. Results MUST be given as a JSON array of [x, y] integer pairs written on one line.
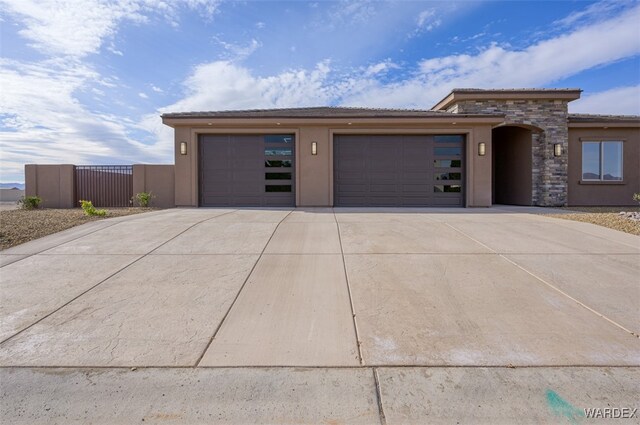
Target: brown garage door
[[403, 170], [247, 170]]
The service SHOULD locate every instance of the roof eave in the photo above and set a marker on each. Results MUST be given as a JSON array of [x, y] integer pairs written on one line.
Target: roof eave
[[457, 95], [204, 121], [604, 124]]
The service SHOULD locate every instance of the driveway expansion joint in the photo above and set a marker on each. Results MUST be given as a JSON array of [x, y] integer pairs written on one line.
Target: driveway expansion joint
[[197, 364], [103, 280], [376, 379], [555, 288], [346, 277]]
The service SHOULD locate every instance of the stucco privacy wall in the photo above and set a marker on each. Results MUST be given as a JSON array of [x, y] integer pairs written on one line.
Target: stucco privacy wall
[[157, 179], [53, 183], [549, 173], [314, 173]]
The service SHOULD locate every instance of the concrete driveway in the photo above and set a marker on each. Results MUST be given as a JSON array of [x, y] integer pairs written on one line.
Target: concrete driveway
[[497, 315]]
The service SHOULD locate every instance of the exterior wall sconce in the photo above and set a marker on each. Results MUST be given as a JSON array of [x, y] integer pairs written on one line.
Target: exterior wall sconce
[[557, 149], [482, 149], [183, 148], [314, 148]]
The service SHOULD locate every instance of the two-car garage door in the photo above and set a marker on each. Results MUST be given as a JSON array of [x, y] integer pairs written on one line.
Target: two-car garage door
[[398, 170], [369, 170]]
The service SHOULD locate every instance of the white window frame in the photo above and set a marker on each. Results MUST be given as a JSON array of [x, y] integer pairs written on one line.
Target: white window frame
[[601, 159]]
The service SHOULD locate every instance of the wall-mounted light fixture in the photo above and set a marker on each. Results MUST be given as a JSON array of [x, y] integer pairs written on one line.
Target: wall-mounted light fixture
[[557, 149], [314, 148], [482, 149], [183, 148]]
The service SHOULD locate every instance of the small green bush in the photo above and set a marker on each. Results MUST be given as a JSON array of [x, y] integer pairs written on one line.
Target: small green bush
[[29, 202], [144, 198], [636, 197], [89, 209]]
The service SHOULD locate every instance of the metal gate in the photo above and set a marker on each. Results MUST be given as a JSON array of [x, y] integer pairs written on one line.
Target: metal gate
[[104, 185]]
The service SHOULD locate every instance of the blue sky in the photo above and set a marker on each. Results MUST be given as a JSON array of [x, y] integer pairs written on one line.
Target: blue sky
[[84, 81]]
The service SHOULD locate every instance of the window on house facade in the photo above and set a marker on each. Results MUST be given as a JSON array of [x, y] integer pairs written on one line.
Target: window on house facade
[[602, 161]]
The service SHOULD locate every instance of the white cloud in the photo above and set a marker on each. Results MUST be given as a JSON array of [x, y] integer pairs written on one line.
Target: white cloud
[[143, 95], [496, 66], [156, 89], [237, 88], [616, 101], [237, 51], [542, 63], [79, 27], [595, 11], [380, 68], [112, 49], [44, 122], [428, 20], [352, 11]]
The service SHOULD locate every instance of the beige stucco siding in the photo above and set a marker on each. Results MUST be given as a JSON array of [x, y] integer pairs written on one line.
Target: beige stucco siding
[[314, 173]]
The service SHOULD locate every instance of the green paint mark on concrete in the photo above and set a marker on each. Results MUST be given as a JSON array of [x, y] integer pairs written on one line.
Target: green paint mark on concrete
[[561, 407]]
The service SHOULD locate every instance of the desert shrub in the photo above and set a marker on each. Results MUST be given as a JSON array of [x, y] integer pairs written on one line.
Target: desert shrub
[[636, 197], [144, 198], [29, 202], [89, 209]]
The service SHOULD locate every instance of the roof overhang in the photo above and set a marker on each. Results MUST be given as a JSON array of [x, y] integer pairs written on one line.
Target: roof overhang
[[444, 119], [603, 121], [458, 95]]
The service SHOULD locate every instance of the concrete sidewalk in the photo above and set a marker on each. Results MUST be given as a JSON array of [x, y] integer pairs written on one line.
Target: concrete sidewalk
[[399, 315]]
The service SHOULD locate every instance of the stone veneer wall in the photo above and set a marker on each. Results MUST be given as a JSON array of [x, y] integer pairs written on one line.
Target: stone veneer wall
[[550, 173]]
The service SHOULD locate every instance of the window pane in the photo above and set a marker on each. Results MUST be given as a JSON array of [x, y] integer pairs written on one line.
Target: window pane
[[278, 188], [448, 151], [448, 176], [591, 160], [277, 151], [278, 138], [447, 163], [612, 161], [275, 163], [447, 188], [278, 176], [448, 138]]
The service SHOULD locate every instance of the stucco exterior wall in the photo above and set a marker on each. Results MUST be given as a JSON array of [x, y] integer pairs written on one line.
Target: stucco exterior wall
[[605, 193], [549, 173], [185, 169], [11, 195], [157, 179], [53, 183], [314, 173]]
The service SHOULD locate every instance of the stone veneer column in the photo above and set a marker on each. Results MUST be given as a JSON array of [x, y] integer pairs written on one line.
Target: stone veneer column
[[550, 173]]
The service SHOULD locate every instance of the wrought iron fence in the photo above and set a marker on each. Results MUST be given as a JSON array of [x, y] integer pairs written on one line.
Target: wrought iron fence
[[104, 185]]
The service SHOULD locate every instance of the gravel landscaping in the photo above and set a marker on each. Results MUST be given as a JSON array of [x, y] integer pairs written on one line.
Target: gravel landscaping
[[20, 226], [610, 217]]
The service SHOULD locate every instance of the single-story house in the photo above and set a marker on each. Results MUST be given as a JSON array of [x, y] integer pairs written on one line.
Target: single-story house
[[474, 148]]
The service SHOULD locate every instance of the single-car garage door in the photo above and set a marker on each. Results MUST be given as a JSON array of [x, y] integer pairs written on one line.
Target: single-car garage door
[[243, 170], [398, 170]]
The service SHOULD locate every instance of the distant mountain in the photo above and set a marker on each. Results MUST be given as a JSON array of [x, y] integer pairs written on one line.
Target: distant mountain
[[12, 185]]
